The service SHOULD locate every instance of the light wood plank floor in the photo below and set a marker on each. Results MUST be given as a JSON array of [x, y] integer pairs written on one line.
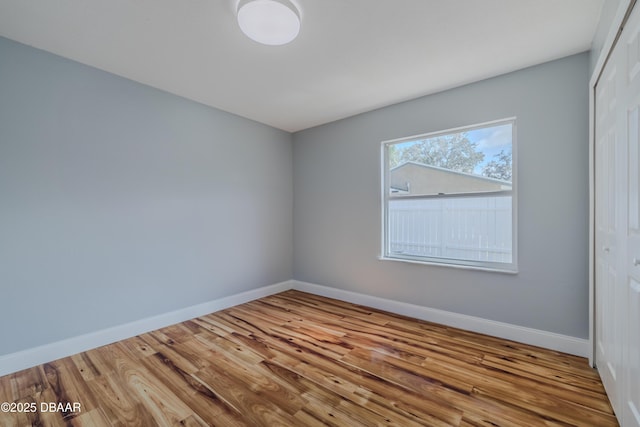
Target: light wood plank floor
[[296, 359]]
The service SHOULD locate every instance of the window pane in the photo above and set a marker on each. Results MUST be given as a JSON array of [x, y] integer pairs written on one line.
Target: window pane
[[449, 196], [477, 160], [463, 228]]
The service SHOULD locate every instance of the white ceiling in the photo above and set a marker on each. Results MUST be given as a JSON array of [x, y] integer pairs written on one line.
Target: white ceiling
[[351, 56]]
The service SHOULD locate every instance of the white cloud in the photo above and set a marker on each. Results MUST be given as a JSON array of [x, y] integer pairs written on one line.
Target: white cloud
[[499, 136]]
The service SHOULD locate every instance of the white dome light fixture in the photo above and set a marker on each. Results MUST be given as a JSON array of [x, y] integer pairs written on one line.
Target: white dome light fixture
[[270, 22]]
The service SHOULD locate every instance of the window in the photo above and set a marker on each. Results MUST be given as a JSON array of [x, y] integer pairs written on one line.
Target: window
[[449, 197]]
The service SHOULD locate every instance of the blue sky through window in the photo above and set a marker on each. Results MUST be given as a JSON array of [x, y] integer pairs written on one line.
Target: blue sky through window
[[491, 141]]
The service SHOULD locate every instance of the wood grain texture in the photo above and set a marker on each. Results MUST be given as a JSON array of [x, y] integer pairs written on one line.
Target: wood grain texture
[[296, 359]]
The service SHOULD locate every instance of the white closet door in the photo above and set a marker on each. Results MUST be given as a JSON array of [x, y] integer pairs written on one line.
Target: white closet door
[[617, 220], [608, 289], [630, 59]]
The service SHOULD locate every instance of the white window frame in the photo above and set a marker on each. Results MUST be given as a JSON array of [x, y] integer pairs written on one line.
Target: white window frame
[[451, 262]]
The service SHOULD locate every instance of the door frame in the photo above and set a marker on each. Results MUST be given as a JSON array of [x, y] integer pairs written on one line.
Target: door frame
[[622, 13]]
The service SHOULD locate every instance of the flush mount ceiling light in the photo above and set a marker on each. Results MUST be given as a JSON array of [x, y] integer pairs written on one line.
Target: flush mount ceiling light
[[271, 22]]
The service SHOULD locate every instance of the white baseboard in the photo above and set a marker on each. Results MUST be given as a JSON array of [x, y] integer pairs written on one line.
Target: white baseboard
[[550, 340], [46, 353]]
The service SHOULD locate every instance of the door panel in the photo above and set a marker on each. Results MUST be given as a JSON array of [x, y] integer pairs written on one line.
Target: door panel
[[608, 332], [630, 108], [632, 392], [617, 224]]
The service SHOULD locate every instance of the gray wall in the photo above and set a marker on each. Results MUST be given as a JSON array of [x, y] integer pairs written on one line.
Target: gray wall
[[119, 201], [337, 201]]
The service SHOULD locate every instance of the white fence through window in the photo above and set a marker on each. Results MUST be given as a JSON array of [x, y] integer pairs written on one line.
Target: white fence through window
[[469, 228]]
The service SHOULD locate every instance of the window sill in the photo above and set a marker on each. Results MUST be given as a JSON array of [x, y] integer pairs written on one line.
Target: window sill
[[450, 265]]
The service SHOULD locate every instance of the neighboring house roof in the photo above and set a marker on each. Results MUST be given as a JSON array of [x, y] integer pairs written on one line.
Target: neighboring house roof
[[418, 178]]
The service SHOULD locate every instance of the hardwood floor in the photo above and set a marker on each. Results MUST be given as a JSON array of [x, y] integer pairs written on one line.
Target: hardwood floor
[[296, 359]]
